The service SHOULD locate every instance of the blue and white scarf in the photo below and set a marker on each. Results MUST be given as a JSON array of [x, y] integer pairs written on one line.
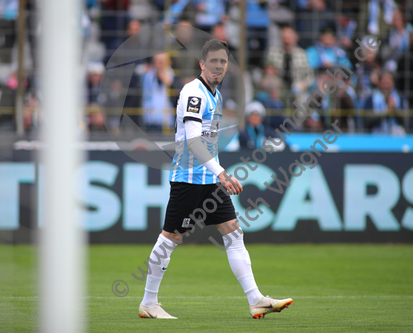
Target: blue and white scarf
[[256, 138]]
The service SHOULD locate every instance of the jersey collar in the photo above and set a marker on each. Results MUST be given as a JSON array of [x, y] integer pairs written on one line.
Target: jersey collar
[[206, 85]]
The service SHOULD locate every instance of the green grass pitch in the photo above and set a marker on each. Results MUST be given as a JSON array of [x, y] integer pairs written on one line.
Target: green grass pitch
[[336, 288]]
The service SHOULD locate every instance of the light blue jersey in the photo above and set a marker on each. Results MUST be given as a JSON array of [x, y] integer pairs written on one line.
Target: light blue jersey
[[196, 103]]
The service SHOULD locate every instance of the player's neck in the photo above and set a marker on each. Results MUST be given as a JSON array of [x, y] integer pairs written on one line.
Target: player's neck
[[211, 86]]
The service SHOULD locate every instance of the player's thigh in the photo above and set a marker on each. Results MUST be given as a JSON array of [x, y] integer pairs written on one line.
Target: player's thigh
[[219, 208], [228, 227], [183, 199]]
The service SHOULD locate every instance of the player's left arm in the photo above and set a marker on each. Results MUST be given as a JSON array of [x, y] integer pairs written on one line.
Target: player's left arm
[[194, 106], [193, 130]]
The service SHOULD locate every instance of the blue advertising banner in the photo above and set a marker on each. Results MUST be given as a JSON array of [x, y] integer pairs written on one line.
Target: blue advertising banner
[[335, 197]]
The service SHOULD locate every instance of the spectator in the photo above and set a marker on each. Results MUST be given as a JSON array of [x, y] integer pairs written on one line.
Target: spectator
[[156, 102], [94, 76], [135, 45], [144, 11], [315, 123], [113, 24], [96, 120], [405, 73], [292, 66], [219, 32], [135, 49], [269, 95], [209, 13], [134, 26], [112, 105], [346, 27], [257, 21], [336, 106], [8, 16], [326, 53], [31, 114], [366, 77], [312, 19], [114, 98], [13, 81], [389, 6], [184, 61], [398, 41], [269, 79], [30, 111], [384, 103], [342, 106], [178, 10], [255, 131]]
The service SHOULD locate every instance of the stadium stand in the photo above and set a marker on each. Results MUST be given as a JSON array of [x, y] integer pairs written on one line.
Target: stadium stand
[[319, 34]]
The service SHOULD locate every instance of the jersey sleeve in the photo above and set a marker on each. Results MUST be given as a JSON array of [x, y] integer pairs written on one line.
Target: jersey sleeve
[[193, 130], [193, 104]]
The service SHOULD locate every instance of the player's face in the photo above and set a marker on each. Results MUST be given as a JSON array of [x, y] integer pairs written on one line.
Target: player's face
[[215, 66]]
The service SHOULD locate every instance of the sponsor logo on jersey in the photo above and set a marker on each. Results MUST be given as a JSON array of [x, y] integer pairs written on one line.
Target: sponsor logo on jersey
[[209, 134], [194, 104], [185, 223]]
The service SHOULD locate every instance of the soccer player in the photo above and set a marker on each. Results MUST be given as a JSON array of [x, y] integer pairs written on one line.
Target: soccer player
[[197, 179]]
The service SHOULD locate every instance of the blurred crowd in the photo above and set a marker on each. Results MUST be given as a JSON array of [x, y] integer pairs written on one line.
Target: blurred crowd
[[290, 44]]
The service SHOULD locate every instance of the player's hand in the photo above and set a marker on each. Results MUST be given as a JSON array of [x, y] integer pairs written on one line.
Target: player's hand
[[231, 184]]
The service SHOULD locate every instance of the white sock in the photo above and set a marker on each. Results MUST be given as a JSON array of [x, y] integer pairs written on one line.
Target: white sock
[[240, 262], [158, 262]]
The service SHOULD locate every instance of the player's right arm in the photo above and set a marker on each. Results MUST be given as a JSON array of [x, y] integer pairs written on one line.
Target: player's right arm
[[193, 105]]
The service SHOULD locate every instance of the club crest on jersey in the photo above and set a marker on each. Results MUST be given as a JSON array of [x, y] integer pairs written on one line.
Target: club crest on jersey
[[194, 104], [185, 223]]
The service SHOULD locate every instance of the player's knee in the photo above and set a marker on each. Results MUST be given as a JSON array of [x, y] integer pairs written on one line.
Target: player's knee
[[233, 227], [174, 237]]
